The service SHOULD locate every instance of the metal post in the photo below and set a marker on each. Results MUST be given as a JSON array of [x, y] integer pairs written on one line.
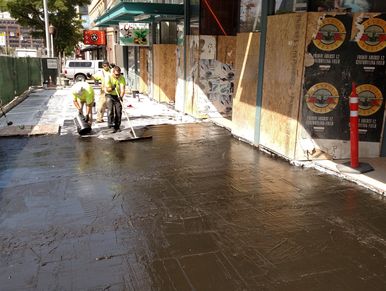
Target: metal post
[[186, 32], [46, 21], [136, 52], [7, 44], [52, 45], [267, 8], [51, 30]]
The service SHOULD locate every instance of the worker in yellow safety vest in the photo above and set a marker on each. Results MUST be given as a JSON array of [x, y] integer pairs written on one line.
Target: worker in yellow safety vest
[[115, 90], [83, 93], [102, 76]]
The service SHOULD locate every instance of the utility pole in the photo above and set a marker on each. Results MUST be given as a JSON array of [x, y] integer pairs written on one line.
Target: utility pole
[[46, 21], [7, 40], [51, 30]]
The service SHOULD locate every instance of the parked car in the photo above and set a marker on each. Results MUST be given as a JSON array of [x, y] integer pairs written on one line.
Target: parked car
[[79, 69]]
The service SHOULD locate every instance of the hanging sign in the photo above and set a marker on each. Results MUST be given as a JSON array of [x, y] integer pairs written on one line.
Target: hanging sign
[[134, 34], [94, 37]]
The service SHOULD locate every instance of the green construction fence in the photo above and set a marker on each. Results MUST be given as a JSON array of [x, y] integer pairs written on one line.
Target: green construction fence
[[17, 74]]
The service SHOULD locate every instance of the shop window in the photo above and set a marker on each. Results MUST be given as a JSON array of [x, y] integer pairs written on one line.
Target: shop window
[[219, 17]]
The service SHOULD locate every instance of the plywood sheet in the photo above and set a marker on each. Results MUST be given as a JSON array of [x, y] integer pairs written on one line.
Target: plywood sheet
[[165, 72], [226, 49], [244, 101], [283, 76], [143, 70], [192, 60]]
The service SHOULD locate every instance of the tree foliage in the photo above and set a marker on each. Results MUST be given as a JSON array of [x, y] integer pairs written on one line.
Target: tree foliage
[[62, 15]]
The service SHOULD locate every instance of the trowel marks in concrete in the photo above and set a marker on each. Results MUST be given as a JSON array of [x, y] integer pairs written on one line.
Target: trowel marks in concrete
[[192, 209]]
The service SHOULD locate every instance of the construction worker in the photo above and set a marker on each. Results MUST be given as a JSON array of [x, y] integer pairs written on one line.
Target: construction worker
[[83, 93], [102, 76], [115, 90]]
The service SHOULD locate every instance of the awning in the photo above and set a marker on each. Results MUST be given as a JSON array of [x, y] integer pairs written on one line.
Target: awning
[[127, 11]]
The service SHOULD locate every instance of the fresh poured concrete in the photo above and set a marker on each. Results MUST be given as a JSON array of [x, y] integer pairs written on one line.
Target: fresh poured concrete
[[191, 209]]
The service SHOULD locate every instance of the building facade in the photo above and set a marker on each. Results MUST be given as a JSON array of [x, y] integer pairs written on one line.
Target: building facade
[[14, 36], [278, 74]]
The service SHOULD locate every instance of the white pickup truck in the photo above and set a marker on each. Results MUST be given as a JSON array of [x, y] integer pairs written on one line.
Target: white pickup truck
[[78, 70]]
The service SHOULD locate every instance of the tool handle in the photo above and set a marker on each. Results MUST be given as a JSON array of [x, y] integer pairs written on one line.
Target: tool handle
[[126, 114]]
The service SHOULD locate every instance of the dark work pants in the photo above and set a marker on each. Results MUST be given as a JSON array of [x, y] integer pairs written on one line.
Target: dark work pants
[[114, 111]]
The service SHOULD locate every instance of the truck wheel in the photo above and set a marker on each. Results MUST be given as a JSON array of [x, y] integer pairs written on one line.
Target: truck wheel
[[80, 78]]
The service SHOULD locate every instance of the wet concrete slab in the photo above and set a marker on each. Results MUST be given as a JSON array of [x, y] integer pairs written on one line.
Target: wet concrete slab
[[190, 209]]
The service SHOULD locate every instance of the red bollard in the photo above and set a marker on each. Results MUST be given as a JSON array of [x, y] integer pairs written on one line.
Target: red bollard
[[354, 166], [354, 132]]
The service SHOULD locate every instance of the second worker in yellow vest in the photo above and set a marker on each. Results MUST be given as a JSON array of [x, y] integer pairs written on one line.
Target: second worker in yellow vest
[[102, 76], [115, 90]]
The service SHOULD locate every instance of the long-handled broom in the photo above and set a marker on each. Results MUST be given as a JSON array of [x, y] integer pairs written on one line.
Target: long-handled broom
[[129, 122]]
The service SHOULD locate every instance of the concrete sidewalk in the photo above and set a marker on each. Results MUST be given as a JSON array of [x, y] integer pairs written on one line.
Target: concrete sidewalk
[[53, 109], [374, 180], [191, 209]]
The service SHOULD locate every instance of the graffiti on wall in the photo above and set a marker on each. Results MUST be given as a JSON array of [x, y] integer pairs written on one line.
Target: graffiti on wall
[[216, 81]]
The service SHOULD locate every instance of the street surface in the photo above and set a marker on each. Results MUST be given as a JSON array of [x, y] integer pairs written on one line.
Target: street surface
[[190, 209]]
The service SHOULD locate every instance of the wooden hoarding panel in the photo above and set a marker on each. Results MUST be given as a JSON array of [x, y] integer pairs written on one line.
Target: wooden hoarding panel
[[143, 70], [164, 72], [244, 101], [192, 60], [282, 82], [226, 49]]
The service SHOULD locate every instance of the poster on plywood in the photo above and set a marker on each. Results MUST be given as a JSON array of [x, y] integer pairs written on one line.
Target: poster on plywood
[[368, 71], [325, 109], [216, 83], [207, 47]]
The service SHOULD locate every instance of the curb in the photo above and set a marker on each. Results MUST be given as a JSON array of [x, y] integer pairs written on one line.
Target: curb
[[329, 167], [17, 100]]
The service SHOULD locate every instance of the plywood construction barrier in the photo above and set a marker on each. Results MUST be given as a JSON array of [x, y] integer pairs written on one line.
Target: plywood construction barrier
[[311, 61], [209, 85], [215, 82], [192, 59], [244, 101], [143, 70], [226, 49], [342, 49], [164, 72], [283, 74]]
